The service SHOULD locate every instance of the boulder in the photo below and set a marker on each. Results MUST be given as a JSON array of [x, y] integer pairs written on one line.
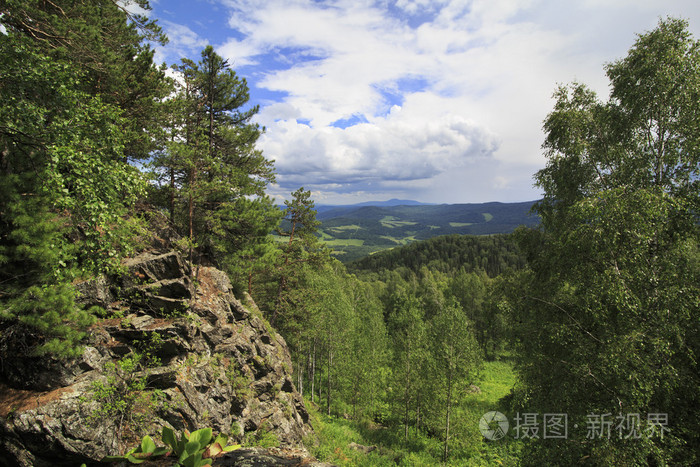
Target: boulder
[[258, 457], [206, 360], [361, 448]]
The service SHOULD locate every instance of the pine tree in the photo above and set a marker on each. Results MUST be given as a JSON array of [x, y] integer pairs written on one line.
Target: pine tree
[[212, 170], [64, 181], [302, 248]]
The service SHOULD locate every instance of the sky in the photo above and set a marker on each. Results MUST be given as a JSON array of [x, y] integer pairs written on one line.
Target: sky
[[439, 101]]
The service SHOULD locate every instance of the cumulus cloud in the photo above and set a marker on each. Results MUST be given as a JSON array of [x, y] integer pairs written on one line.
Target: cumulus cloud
[[182, 42], [394, 149], [437, 97]]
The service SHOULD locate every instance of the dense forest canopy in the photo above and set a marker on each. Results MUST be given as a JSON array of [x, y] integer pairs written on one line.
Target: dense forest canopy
[[597, 307], [494, 254]]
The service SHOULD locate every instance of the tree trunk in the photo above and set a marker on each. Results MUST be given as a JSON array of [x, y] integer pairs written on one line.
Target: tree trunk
[[300, 379], [328, 394], [172, 196], [313, 370], [406, 397], [191, 225], [447, 416]]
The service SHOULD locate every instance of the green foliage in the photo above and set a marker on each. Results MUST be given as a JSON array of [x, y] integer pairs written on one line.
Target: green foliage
[[145, 451], [262, 437], [467, 446], [456, 359], [408, 333], [196, 449], [606, 321], [70, 119], [106, 42], [190, 447], [211, 177], [122, 395], [240, 382], [493, 254], [297, 257]]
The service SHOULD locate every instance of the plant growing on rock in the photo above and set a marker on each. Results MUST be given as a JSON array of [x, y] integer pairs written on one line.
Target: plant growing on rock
[[194, 449], [140, 453], [262, 437], [123, 395]]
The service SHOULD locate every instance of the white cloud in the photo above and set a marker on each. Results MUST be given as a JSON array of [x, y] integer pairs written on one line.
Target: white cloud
[[393, 149], [133, 8], [238, 53], [183, 42], [449, 94]]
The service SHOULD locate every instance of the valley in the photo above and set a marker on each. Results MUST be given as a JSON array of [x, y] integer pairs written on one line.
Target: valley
[[356, 231]]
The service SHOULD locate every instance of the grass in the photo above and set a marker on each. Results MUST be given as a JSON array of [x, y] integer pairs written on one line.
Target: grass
[[341, 228], [468, 447], [344, 242], [391, 222], [496, 381], [399, 241], [461, 224]]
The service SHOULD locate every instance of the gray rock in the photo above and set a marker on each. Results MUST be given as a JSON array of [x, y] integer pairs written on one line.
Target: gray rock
[[257, 457], [212, 362], [361, 448]]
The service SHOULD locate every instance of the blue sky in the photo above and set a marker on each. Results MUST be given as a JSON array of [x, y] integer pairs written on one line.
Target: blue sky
[[435, 100]]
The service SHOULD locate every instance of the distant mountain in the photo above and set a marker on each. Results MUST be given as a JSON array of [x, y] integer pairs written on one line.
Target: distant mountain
[[392, 202], [360, 230]]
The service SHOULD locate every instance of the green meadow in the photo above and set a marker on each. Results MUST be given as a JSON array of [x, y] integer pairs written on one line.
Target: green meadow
[[336, 434]]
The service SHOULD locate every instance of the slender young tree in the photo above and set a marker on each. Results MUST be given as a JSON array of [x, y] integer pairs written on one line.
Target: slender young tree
[[407, 331], [609, 319], [368, 354], [456, 357]]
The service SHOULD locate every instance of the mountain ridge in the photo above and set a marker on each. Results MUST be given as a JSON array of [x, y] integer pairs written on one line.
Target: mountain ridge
[[390, 202]]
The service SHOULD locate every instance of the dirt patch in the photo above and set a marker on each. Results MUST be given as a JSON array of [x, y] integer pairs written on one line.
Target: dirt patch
[[20, 400]]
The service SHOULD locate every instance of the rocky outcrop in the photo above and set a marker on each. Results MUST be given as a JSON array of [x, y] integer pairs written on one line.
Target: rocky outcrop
[[257, 457], [206, 359]]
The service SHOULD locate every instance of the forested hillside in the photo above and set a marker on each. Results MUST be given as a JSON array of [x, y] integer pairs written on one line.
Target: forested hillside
[[493, 254], [591, 315]]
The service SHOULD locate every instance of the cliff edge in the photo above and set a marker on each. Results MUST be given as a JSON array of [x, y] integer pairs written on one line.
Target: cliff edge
[[175, 349]]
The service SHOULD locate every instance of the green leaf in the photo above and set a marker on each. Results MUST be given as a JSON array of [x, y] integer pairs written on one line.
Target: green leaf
[[147, 445], [202, 436], [161, 451], [195, 460], [134, 460], [192, 447], [213, 450], [168, 437]]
